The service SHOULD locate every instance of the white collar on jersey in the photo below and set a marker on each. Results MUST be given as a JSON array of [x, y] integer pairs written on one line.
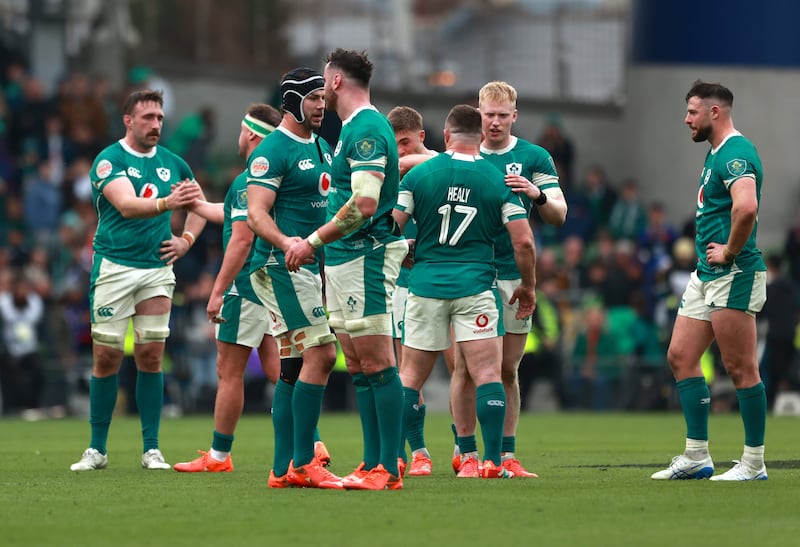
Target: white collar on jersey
[[133, 152], [734, 133], [508, 148]]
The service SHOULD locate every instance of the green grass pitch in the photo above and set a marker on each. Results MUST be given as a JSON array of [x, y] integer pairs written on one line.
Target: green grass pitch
[[594, 489]]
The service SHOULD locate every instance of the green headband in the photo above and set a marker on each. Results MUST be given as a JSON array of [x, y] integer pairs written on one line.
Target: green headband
[[262, 129]]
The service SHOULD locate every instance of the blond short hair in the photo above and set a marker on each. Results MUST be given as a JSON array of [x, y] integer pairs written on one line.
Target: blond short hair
[[497, 92]]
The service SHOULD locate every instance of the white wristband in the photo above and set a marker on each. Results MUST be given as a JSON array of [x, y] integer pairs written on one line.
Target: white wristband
[[314, 240]]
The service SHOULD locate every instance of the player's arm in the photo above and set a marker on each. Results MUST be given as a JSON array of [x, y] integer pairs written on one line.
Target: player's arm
[[744, 211], [412, 160], [260, 200], [356, 211], [525, 258], [121, 194], [352, 215], [232, 263], [551, 202], [212, 212]]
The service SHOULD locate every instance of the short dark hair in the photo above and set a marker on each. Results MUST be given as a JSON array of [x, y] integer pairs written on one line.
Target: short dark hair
[[354, 64], [464, 118], [265, 113], [405, 118], [142, 96], [705, 90]]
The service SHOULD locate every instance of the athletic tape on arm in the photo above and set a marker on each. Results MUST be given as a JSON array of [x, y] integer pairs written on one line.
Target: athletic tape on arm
[[365, 184]]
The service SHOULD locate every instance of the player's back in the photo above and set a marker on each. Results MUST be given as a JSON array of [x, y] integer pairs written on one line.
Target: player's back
[[459, 204]]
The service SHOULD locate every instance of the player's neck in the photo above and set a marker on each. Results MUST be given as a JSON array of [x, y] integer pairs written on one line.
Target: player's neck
[[347, 104], [289, 123], [468, 149], [133, 145], [720, 133], [500, 145]]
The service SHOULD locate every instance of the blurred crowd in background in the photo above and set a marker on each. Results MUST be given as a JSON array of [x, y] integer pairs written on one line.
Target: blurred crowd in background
[[609, 280]]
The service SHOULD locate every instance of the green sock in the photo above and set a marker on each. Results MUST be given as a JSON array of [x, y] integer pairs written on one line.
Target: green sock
[[753, 408], [365, 398], [696, 404], [490, 402], [102, 400], [455, 433], [317, 436], [222, 442], [306, 407], [416, 432], [283, 427], [388, 392], [467, 444], [410, 400], [509, 444], [150, 400]]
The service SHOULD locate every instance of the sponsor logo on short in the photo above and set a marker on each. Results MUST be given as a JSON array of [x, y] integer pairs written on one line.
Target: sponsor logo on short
[[482, 331], [482, 320], [135, 173], [319, 311], [105, 311]]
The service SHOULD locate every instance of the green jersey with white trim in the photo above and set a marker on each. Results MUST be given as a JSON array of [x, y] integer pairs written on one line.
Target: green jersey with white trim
[[460, 203], [534, 163], [366, 143], [134, 242], [235, 210], [734, 159], [298, 171]]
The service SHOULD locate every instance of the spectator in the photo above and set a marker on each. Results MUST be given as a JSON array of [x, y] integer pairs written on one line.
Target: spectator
[[600, 195], [21, 373], [561, 149], [628, 215], [781, 315]]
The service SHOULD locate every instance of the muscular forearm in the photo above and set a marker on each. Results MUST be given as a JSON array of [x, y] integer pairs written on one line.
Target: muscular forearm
[[554, 211], [232, 263], [743, 220], [213, 212], [263, 225], [525, 258], [194, 224]]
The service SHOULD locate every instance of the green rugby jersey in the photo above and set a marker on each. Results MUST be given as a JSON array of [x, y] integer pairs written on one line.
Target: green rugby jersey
[[735, 158], [534, 163], [134, 242], [298, 170], [366, 143], [460, 204], [235, 209]]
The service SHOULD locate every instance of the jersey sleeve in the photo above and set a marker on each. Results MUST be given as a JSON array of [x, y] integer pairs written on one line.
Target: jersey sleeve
[[512, 208], [238, 199], [543, 169], [108, 166], [266, 165], [739, 162], [369, 152]]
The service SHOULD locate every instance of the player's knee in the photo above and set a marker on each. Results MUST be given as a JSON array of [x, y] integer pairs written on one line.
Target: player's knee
[[110, 333], [290, 369], [151, 328]]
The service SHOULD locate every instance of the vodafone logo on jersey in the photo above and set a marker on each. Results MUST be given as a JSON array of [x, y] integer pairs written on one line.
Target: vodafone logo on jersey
[[259, 166], [149, 190], [324, 183], [103, 169]]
